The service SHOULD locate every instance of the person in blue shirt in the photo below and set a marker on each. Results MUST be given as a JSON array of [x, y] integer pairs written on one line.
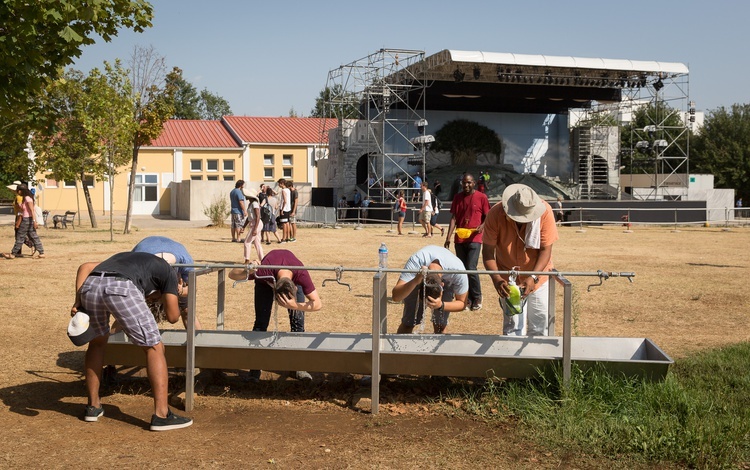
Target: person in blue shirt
[[443, 292], [238, 211]]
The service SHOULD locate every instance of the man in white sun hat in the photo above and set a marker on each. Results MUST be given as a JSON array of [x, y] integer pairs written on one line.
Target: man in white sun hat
[[519, 233]]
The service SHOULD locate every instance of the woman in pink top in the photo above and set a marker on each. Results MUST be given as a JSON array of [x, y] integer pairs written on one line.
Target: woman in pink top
[[26, 225]]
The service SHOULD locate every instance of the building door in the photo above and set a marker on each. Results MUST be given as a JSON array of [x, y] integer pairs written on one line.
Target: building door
[[146, 194]]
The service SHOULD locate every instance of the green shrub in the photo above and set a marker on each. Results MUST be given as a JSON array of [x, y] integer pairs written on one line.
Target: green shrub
[[217, 212]]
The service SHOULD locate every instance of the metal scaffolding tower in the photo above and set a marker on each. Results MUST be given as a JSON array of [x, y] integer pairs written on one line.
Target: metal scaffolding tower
[[660, 139], [379, 102]]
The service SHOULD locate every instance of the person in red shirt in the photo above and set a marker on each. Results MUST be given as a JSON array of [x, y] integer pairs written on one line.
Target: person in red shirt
[[292, 289], [468, 211], [519, 234]]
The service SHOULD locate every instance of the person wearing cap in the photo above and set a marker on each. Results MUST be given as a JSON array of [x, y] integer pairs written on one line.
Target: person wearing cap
[[519, 234], [173, 253], [25, 224], [121, 286], [443, 292], [468, 211], [292, 289], [238, 210]]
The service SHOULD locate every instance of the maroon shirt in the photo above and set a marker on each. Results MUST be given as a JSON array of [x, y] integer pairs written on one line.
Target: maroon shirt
[[469, 212], [300, 277]]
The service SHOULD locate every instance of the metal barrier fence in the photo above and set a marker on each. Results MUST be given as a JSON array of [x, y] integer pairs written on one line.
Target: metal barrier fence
[[577, 216]]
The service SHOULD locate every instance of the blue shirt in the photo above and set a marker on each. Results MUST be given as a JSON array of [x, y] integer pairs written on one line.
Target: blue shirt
[[458, 282], [235, 196], [158, 244]]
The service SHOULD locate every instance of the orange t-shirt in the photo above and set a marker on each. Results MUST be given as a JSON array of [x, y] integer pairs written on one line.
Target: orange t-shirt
[[508, 240]]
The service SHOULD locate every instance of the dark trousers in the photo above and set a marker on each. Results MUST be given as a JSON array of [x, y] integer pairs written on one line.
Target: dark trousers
[[26, 229], [469, 254], [264, 297]]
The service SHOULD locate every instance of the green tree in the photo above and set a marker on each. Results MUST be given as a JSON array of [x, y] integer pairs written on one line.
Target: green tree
[[465, 139], [335, 102], [152, 99], [212, 106], [39, 38], [186, 100], [111, 125], [65, 146], [723, 148]]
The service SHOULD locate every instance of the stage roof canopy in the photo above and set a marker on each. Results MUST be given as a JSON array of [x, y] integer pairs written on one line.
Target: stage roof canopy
[[505, 82]]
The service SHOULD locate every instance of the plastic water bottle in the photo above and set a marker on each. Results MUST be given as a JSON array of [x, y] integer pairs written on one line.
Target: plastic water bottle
[[383, 256]]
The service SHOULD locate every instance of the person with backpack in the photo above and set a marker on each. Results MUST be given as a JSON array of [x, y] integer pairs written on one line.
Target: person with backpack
[[269, 208], [437, 206]]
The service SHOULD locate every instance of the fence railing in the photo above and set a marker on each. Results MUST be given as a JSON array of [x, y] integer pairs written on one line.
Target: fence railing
[[575, 216]]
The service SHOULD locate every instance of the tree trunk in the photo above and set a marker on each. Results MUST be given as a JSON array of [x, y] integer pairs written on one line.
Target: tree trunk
[[131, 189], [87, 198]]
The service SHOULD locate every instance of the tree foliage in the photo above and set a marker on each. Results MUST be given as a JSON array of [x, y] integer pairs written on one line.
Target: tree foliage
[[723, 148], [152, 101], [335, 102], [186, 100], [39, 38], [213, 106], [189, 104], [650, 123], [465, 140], [89, 129]]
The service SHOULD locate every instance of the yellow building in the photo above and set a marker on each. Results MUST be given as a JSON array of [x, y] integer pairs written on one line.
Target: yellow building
[[255, 149]]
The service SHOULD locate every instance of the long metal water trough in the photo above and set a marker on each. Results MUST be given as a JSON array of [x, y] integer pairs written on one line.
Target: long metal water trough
[[456, 355]]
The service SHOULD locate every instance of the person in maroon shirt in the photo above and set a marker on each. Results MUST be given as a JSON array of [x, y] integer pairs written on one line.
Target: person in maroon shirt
[[293, 289], [468, 211]]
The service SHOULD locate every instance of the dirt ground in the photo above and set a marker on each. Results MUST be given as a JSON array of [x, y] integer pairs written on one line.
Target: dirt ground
[[690, 293]]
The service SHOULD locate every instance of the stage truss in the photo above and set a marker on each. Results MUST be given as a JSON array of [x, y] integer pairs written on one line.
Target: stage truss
[[379, 102]]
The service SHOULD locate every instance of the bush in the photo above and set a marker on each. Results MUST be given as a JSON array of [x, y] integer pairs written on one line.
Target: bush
[[217, 212]]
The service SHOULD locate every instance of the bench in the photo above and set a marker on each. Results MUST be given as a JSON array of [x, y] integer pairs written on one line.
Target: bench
[[64, 220]]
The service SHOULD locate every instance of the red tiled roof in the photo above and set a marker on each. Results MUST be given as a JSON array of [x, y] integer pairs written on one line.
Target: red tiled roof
[[180, 133], [281, 130]]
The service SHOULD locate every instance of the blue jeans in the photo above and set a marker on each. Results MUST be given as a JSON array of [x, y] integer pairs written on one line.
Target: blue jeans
[[468, 253]]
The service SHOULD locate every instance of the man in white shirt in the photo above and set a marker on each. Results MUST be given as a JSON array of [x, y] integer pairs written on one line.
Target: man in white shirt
[[425, 212]]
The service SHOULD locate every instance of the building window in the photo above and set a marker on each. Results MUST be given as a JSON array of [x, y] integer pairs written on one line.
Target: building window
[[196, 165], [268, 173], [196, 177], [212, 177], [228, 177], [146, 187], [287, 160], [88, 179], [287, 173], [268, 160], [212, 165], [228, 165]]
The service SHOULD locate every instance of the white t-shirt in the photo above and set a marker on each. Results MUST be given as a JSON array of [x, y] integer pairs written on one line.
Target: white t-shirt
[[427, 201], [287, 197]]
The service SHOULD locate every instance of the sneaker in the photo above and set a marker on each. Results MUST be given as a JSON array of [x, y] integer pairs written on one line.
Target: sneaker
[[93, 414], [172, 421], [292, 240], [303, 375], [252, 376], [476, 305]]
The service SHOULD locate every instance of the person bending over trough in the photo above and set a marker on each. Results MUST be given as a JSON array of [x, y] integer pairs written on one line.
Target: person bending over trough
[[291, 289]]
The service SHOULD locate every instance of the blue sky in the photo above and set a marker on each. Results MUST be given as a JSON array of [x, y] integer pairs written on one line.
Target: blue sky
[[267, 57]]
